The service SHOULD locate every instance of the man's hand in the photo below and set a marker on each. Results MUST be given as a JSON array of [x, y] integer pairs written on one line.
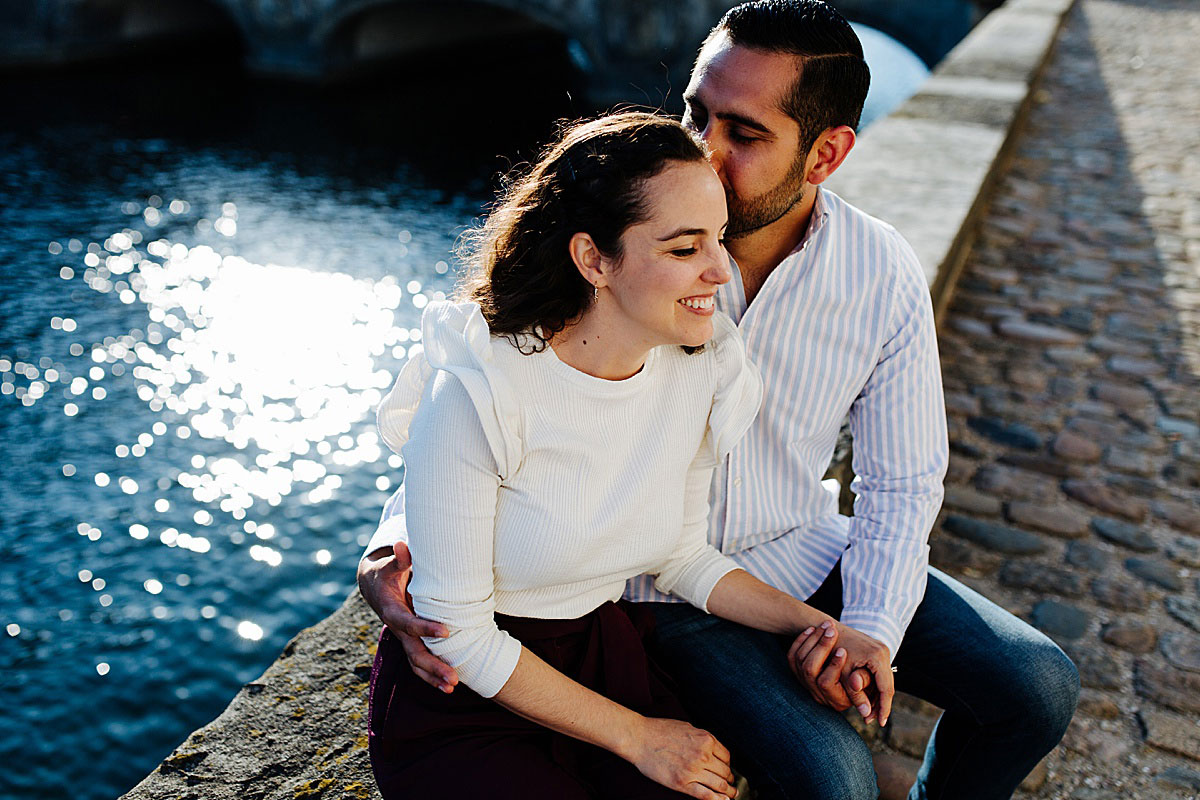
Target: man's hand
[[383, 578], [858, 673]]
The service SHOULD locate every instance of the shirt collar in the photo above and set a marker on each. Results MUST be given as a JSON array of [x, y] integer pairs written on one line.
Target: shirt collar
[[820, 216]]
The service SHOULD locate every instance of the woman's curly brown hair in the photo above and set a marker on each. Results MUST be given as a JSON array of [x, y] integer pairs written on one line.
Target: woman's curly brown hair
[[591, 180]]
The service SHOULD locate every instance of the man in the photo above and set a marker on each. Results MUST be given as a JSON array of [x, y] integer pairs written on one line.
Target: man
[[836, 313]]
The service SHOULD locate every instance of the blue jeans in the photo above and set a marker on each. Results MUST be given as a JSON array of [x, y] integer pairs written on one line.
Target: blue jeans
[[1007, 692]]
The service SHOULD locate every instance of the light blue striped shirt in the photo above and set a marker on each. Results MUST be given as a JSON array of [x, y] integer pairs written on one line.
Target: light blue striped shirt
[[843, 324]]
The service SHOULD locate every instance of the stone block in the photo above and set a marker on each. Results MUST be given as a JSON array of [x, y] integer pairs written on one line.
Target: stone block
[[1135, 367], [1043, 463], [1023, 330], [1060, 620], [1124, 396], [1124, 534], [1179, 515], [1171, 732], [1058, 519], [970, 500], [1044, 578], [956, 556], [1185, 550], [1010, 434], [1014, 484], [1119, 594], [1184, 609], [1182, 650], [1167, 686], [1097, 667], [1179, 778], [1097, 704], [1101, 496], [1130, 634], [1156, 572], [994, 536], [909, 733], [1086, 556], [1074, 447]]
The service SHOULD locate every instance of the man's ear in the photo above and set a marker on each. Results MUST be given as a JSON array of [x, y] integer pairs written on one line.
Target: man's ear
[[588, 259], [829, 151]]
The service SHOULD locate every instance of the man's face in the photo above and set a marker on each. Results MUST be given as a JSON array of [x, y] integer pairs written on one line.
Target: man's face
[[734, 101]]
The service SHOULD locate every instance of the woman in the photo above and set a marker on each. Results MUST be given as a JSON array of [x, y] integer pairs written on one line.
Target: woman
[[559, 433]]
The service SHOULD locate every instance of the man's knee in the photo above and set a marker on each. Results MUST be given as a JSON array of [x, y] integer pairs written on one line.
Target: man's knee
[[1043, 687], [1055, 686]]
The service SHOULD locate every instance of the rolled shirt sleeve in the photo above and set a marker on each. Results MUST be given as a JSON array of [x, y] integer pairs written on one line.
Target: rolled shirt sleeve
[[900, 453], [450, 505], [695, 567]]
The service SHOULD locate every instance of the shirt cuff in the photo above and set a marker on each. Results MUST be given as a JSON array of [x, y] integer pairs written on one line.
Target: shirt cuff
[[491, 660], [391, 530], [700, 578], [876, 624]]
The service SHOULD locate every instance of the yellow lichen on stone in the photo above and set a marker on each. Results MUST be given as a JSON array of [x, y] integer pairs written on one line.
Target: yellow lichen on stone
[[298, 713], [360, 742], [312, 788], [355, 791], [355, 716]]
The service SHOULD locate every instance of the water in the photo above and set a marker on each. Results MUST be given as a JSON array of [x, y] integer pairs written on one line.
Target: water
[[207, 286]]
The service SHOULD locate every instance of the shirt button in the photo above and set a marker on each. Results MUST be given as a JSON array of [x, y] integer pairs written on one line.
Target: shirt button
[[737, 481]]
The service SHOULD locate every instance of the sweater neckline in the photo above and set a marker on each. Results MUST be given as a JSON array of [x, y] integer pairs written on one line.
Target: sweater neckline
[[603, 385]]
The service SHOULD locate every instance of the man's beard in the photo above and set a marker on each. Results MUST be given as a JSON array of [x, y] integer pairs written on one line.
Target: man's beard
[[748, 216]]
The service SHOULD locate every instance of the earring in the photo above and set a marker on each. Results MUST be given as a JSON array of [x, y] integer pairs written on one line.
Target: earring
[[595, 292]]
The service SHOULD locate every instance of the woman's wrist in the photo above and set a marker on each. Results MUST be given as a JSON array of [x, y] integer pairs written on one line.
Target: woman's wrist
[[806, 617], [626, 736]]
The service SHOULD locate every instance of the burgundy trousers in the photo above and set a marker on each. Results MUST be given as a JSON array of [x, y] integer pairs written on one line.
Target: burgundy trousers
[[460, 746]]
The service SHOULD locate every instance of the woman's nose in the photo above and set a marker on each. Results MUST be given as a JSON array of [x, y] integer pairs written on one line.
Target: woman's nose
[[719, 271]]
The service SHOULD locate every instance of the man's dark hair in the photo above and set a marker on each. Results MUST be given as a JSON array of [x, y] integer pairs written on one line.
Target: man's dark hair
[[833, 78]]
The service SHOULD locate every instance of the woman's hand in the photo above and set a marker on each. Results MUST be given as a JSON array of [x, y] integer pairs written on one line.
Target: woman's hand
[[683, 758], [843, 679]]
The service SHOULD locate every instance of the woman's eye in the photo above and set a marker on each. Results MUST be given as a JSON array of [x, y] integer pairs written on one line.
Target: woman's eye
[[684, 252]]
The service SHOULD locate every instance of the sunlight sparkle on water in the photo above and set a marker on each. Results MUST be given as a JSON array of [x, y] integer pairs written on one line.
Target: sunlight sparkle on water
[[276, 357], [248, 630]]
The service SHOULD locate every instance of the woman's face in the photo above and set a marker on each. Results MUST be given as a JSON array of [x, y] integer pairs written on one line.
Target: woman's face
[[672, 263]]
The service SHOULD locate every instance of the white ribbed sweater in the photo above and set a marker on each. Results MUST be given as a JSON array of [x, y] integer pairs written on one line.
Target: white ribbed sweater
[[535, 490]]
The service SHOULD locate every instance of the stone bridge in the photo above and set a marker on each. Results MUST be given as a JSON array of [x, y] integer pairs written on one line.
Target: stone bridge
[[615, 44]]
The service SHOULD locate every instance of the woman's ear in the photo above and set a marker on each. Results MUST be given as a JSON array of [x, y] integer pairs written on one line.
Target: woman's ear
[[588, 259]]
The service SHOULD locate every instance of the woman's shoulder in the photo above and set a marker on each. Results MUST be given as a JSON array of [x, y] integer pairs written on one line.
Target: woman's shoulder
[[459, 358]]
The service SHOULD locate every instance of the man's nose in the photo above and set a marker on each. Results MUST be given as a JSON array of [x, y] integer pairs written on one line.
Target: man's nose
[[716, 152]]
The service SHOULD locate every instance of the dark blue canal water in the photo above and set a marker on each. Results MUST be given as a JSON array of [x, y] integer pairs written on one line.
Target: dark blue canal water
[[207, 285]]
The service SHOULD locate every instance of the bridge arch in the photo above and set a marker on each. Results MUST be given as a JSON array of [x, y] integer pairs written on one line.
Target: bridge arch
[[365, 32], [150, 22]]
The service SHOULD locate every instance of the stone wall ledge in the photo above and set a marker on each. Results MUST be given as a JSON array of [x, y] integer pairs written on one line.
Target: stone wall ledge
[[930, 169]]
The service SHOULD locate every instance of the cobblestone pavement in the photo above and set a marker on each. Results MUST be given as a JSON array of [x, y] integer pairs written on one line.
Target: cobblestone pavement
[[1071, 358]]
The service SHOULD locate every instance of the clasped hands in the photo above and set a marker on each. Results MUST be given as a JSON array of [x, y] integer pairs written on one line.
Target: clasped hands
[[842, 667]]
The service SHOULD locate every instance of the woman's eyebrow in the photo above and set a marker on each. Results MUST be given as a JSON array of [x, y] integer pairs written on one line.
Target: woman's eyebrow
[[683, 232]]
